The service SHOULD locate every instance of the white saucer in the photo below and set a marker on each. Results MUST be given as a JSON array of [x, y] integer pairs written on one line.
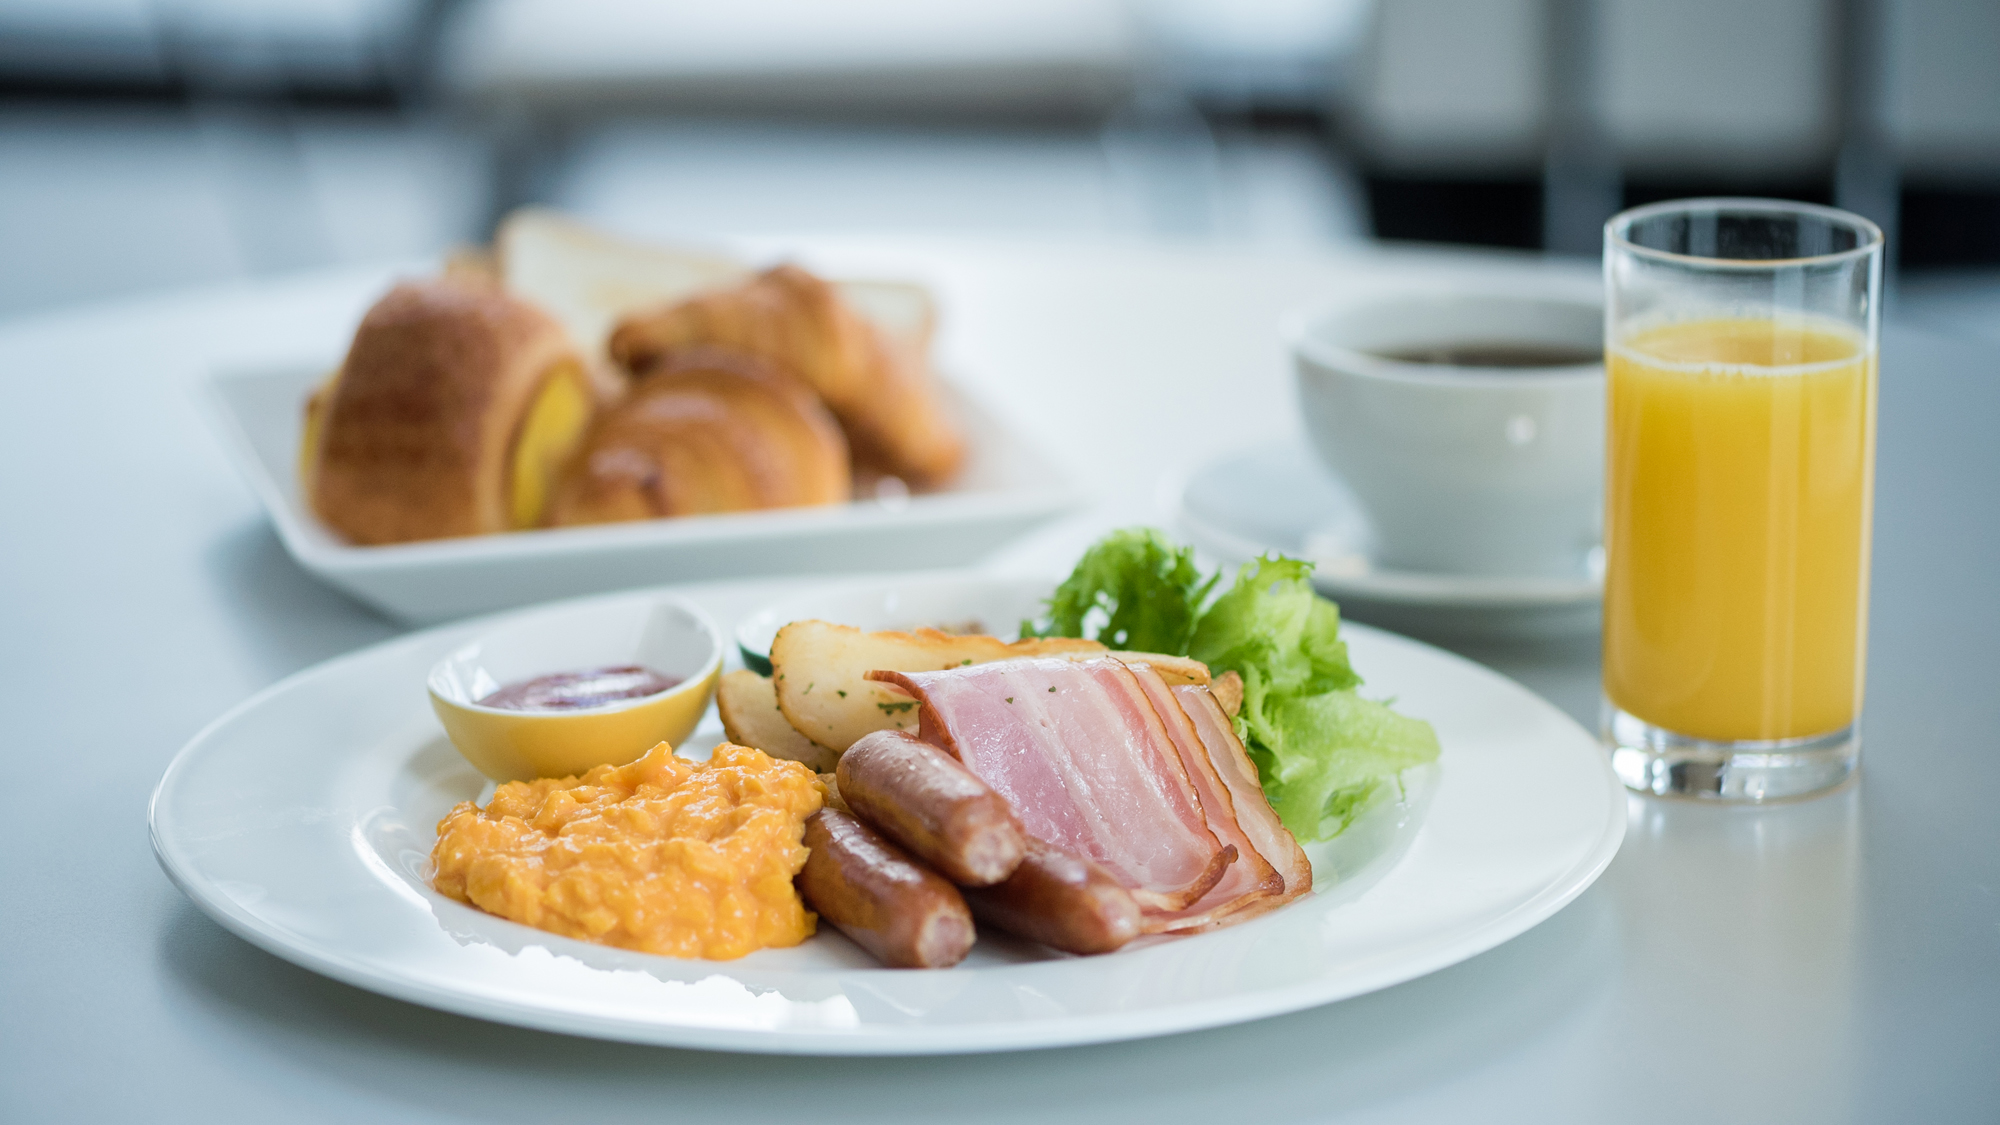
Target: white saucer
[[1279, 499]]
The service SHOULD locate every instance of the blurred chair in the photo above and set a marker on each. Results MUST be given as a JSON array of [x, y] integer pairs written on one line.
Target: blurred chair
[[538, 73], [1255, 56], [874, 58], [1941, 106], [363, 51], [1477, 98], [1145, 72], [150, 142], [1527, 122], [1446, 118]]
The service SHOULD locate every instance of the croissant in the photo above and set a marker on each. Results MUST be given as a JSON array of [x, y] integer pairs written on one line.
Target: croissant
[[706, 430], [884, 399], [453, 414]]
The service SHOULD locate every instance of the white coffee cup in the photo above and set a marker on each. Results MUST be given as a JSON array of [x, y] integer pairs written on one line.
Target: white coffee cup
[[1461, 469]]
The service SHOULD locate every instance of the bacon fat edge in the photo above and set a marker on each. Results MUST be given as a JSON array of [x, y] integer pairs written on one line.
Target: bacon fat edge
[[1255, 817], [1252, 877]]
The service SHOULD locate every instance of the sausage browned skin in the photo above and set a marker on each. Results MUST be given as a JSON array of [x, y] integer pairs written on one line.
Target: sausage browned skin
[[892, 906], [1061, 900], [920, 797]]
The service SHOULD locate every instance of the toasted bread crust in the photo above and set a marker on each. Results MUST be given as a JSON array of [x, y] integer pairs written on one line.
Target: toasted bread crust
[[419, 426]]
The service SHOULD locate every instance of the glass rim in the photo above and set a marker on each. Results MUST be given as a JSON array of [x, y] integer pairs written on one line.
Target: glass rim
[[1615, 231]]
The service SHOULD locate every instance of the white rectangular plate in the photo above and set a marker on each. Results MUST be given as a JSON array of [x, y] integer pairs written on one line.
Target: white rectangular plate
[[1007, 488]]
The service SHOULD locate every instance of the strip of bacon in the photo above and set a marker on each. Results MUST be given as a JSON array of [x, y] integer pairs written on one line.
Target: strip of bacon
[[1251, 878], [1081, 753], [1255, 817]]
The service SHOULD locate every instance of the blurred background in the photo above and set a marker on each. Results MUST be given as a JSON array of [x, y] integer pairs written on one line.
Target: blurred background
[[154, 142]]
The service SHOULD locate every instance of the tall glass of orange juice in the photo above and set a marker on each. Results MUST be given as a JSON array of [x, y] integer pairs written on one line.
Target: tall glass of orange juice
[[1740, 353]]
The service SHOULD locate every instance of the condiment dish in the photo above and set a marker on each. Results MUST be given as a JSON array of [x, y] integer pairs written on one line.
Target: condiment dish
[[668, 636]]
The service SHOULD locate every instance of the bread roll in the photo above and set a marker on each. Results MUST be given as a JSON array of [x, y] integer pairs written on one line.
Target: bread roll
[[883, 396], [453, 414], [706, 431]]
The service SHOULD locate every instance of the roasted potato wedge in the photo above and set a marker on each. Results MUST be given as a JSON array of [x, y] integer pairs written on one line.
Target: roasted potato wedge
[[750, 717], [1228, 691], [829, 788], [819, 670], [1176, 670]]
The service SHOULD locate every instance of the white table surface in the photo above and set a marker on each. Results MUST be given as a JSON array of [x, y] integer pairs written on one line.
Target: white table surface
[[1826, 961]]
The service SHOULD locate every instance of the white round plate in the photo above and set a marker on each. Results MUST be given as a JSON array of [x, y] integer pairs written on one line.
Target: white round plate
[[1278, 499], [303, 821]]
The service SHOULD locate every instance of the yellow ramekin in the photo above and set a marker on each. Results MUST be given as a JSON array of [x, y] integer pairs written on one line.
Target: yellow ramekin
[[661, 633]]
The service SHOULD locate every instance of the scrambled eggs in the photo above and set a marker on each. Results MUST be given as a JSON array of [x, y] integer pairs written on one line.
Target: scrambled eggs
[[665, 855]]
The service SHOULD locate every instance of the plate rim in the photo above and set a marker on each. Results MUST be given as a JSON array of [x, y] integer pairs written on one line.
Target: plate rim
[[1070, 1030], [1053, 494]]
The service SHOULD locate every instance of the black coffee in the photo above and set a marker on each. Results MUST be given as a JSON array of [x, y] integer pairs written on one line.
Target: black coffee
[[1496, 355]]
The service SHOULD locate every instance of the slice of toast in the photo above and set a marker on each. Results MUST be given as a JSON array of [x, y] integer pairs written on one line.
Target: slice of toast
[[902, 311], [588, 280]]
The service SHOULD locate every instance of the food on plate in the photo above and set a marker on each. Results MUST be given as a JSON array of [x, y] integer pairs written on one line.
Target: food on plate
[[829, 788], [1100, 758], [465, 400], [664, 855], [705, 431], [820, 671], [1227, 778], [472, 265], [592, 685], [1062, 900], [1228, 692], [1322, 751], [748, 706], [453, 413], [882, 394], [895, 908], [1148, 592], [588, 279], [1083, 756], [575, 691], [1055, 788], [921, 798]]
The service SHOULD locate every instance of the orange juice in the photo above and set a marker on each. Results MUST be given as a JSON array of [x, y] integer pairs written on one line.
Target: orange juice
[[1740, 479]]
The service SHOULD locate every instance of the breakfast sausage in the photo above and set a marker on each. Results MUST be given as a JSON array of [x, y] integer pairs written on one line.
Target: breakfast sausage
[[921, 798], [892, 906], [1061, 900]]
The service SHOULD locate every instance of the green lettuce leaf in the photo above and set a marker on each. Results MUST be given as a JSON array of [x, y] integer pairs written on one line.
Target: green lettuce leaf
[[1333, 750], [1148, 591], [1275, 632], [1320, 748]]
